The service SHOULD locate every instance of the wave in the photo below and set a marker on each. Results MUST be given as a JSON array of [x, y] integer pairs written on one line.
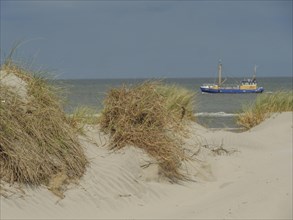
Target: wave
[[215, 114]]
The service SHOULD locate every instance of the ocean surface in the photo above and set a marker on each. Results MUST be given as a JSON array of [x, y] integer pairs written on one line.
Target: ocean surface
[[211, 110]]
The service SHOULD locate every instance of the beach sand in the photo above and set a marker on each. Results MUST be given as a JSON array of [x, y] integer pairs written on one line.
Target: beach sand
[[253, 181]]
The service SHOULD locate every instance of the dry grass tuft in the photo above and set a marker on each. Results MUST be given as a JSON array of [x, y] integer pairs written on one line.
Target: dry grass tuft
[[179, 100], [36, 141], [147, 117], [262, 108]]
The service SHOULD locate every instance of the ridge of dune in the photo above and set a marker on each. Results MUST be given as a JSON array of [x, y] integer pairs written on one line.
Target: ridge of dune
[[275, 130]]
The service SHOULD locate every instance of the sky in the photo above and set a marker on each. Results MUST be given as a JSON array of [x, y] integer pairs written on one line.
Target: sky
[[150, 39]]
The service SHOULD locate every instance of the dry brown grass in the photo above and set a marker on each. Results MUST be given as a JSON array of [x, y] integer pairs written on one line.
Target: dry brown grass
[[179, 101], [141, 116], [36, 141]]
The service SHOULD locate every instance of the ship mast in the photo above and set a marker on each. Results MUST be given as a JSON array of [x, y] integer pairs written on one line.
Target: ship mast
[[220, 73], [254, 73]]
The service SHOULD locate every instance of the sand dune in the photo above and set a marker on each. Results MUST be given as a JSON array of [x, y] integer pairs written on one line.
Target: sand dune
[[253, 182]]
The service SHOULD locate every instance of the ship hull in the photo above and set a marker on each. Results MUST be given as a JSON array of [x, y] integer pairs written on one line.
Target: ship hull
[[225, 90]]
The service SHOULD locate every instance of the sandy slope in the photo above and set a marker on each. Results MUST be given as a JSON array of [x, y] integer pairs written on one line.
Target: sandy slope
[[254, 182]]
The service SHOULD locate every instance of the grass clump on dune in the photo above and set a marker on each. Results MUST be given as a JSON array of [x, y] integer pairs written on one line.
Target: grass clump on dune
[[37, 144], [179, 100], [145, 116], [264, 105]]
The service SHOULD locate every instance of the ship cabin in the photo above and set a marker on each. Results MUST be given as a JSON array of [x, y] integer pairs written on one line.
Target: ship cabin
[[249, 84]]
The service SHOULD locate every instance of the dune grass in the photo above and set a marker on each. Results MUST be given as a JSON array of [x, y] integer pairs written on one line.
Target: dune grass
[[148, 117], [37, 144], [263, 107], [179, 101]]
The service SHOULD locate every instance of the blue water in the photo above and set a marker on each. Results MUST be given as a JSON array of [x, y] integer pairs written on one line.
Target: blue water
[[212, 110]]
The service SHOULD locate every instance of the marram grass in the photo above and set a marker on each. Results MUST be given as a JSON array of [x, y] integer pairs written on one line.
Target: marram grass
[[149, 116], [179, 101], [264, 105], [37, 144]]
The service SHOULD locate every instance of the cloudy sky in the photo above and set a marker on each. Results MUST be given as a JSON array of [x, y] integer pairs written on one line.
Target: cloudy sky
[[133, 39]]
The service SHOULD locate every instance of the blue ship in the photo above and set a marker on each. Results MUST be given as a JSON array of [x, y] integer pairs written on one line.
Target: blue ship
[[246, 86]]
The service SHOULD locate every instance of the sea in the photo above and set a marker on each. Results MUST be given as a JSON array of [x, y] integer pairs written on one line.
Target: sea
[[211, 110]]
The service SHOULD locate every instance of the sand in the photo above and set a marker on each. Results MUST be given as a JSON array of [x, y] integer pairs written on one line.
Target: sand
[[16, 84], [253, 181]]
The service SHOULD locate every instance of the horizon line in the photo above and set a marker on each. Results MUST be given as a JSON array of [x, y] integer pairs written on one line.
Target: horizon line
[[164, 78]]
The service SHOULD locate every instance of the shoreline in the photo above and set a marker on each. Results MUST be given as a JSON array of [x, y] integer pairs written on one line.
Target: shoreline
[[204, 119]]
